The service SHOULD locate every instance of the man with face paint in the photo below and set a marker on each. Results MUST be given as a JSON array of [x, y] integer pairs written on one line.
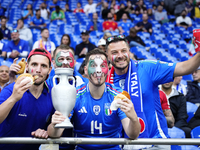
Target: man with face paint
[[64, 58], [142, 79], [92, 114]]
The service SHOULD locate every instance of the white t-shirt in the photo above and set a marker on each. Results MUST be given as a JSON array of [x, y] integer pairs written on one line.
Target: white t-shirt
[[50, 47], [90, 8], [187, 20], [44, 13]]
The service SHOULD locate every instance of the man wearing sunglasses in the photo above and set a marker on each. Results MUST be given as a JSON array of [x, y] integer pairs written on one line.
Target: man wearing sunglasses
[[141, 80], [16, 48]]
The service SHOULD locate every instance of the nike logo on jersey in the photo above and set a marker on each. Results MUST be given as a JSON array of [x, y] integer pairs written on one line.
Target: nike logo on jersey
[[83, 110]]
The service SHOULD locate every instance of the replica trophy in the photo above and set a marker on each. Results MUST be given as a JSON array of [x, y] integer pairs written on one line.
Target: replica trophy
[[64, 94]]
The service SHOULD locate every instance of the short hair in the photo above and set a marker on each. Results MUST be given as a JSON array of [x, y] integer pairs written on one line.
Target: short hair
[[43, 30], [133, 30], [3, 17], [20, 19], [63, 47], [68, 38], [94, 52]]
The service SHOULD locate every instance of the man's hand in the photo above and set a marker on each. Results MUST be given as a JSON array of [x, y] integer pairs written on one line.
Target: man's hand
[[14, 67], [20, 88], [14, 54], [40, 133], [57, 118]]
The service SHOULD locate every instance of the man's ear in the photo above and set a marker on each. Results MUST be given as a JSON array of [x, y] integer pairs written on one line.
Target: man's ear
[[26, 68], [85, 70], [54, 63]]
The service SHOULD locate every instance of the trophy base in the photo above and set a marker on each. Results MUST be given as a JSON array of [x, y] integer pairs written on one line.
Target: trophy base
[[66, 125]]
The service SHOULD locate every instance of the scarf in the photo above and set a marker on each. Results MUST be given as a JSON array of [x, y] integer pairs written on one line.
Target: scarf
[[47, 46], [132, 86]]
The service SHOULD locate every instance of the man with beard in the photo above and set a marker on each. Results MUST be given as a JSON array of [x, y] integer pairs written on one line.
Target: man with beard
[[16, 48], [141, 80], [26, 108], [92, 114], [183, 20]]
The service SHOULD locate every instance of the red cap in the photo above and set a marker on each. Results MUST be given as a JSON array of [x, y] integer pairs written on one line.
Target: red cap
[[40, 51]]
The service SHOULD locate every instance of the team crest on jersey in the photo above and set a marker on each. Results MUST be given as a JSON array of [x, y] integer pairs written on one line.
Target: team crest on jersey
[[121, 83], [107, 109], [96, 109]]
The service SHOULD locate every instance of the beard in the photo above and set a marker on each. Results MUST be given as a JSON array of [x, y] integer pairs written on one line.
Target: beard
[[101, 80], [118, 67]]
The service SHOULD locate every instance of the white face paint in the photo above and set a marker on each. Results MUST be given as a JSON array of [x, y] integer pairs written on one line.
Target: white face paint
[[65, 54], [98, 62]]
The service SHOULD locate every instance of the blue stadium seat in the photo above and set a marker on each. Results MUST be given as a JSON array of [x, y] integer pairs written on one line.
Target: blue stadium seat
[[176, 132], [195, 133], [188, 77], [191, 109]]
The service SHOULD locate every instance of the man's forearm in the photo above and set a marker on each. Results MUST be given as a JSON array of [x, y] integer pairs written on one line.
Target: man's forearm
[[54, 132]]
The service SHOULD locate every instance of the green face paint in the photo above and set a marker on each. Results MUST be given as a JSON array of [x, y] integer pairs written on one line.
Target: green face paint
[[91, 67], [59, 64]]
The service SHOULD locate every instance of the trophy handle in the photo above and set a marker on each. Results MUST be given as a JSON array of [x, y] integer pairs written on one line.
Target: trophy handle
[[72, 78], [54, 81]]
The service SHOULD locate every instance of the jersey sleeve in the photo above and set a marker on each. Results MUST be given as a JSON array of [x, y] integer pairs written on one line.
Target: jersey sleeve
[[160, 72]]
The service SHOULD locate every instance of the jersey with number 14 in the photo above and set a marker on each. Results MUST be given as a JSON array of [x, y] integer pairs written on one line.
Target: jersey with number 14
[[93, 117]]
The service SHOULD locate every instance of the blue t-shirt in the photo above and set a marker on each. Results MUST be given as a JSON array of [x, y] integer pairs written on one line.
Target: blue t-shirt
[[151, 74], [36, 21], [6, 33], [27, 115], [147, 26], [125, 26], [20, 47], [91, 25], [93, 117]]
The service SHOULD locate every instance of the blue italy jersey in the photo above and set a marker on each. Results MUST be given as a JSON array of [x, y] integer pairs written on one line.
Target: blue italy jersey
[[125, 26], [36, 21], [151, 74], [93, 117], [26, 116]]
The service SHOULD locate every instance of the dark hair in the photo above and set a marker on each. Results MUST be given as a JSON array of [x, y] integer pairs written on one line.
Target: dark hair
[[68, 38], [37, 10], [20, 19], [3, 17], [43, 30], [94, 52], [133, 30], [63, 47]]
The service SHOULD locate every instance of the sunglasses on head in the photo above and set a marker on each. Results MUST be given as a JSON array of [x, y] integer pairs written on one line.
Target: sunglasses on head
[[15, 30], [115, 38]]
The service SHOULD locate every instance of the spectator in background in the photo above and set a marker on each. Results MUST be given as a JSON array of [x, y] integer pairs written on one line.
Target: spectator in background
[[179, 86], [53, 4], [183, 20], [85, 46], [114, 6], [179, 7], [178, 106], [140, 8], [57, 14], [150, 14], [44, 42], [78, 8], [37, 21], [112, 11], [91, 7], [102, 44], [189, 6], [65, 40], [121, 12], [195, 13], [124, 25], [67, 9], [94, 25], [28, 13], [16, 48], [160, 15], [166, 109], [110, 24], [144, 25], [25, 33], [193, 88], [105, 10], [129, 8], [4, 29], [4, 76], [45, 13], [134, 40]]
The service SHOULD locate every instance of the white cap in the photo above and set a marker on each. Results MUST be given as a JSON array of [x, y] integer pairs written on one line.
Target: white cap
[[101, 42]]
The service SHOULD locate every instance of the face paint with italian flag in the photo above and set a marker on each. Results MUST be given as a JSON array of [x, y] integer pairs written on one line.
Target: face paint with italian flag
[[68, 59], [97, 67]]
